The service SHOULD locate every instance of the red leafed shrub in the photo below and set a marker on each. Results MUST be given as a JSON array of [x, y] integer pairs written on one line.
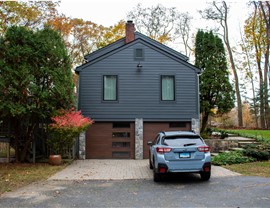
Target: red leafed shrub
[[66, 127]]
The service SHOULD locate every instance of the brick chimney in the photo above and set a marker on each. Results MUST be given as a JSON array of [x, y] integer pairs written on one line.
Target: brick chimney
[[130, 29]]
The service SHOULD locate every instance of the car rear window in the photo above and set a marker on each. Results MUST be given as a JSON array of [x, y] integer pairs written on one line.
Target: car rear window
[[182, 141]]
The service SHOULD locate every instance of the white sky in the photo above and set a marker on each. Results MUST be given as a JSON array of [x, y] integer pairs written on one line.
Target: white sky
[[110, 12]]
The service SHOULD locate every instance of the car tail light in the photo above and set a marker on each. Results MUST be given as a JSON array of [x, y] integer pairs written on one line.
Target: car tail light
[[162, 170], [162, 150], [204, 149], [207, 167]]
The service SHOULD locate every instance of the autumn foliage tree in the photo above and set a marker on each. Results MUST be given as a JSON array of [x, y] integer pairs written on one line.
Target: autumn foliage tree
[[257, 36]]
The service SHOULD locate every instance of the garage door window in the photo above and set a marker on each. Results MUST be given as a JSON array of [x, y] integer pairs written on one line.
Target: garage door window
[[120, 154], [121, 135], [120, 144], [121, 125]]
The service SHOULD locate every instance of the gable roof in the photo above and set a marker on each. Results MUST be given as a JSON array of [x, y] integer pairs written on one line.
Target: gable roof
[[139, 37]]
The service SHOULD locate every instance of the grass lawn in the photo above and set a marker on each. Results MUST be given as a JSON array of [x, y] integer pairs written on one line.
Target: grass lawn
[[251, 133], [261, 169], [16, 175]]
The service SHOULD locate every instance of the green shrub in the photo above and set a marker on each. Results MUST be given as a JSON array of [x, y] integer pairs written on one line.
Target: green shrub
[[260, 152], [205, 136], [228, 158]]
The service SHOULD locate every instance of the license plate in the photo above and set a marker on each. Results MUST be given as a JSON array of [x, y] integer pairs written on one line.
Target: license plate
[[184, 155]]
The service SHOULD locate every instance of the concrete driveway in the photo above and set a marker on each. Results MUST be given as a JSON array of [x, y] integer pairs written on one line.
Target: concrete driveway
[[117, 170]]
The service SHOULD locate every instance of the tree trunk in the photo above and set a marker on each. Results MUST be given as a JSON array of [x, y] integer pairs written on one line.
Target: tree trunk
[[204, 121], [258, 61], [266, 18], [237, 90]]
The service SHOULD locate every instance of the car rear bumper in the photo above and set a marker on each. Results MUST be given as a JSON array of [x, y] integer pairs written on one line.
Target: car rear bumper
[[205, 167]]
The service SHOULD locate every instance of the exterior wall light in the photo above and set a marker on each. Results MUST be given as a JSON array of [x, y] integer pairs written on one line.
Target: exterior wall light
[[139, 67]]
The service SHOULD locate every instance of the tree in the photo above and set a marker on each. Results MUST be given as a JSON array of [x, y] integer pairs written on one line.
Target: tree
[[215, 88], [219, 12], [30, 14], [247, 68], [257, 36], [112, 34], [183, 25], [35, 81], [156, 22]]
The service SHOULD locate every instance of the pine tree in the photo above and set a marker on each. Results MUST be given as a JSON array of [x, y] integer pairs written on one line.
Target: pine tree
[[215, 88]]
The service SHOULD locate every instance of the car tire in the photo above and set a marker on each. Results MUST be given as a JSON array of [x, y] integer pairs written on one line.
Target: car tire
[[156, 176], [205, 176], [150, 163]]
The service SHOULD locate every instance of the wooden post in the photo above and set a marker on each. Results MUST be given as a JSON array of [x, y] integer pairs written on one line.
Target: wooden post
[[8, 152]]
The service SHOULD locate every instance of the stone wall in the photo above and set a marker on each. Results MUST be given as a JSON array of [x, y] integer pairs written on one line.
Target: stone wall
[[195, 125], [219, 145], [82, 144], [138, 138]]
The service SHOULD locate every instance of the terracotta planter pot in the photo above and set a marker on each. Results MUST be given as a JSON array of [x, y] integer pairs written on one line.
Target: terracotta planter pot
[[55, 159]]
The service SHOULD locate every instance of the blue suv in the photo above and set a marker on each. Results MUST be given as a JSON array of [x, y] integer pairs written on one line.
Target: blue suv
[[179, 152]]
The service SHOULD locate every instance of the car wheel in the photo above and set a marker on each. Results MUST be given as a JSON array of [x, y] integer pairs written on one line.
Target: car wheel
[[205, 176], [150, 163], [157, 177]]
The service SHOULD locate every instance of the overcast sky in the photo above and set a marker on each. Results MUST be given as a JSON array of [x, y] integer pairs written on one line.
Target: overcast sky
[[110, 12]]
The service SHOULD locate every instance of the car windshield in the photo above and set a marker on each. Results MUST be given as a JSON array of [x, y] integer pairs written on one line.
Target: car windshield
[[182, 141]]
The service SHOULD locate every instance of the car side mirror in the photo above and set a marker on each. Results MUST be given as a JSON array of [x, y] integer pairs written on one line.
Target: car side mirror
[[150, 143]]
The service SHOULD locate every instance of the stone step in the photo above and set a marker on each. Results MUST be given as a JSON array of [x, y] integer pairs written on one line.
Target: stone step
[[236, 149], [214, 154], [240, 139], [233, 135], [245, 143]]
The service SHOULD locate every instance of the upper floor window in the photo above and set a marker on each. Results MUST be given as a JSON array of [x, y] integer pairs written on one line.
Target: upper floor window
[[139, 54], [167, 87], [110, 87]]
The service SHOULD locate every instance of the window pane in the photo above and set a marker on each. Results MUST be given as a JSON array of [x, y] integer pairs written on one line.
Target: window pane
[[139, 53], [121, 125], [121, 135], [182, 141], [121, 155], [167, 85], [110, 87], [120, 144]]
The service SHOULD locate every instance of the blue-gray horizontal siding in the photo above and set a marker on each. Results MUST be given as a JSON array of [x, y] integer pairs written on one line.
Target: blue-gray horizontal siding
[[138, 92]]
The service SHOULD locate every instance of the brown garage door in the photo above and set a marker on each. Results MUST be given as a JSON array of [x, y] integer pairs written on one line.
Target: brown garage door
[[150, 130], [110, 140]]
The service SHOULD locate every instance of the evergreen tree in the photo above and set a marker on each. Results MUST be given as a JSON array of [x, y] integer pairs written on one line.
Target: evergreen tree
[[215, 88], [35, 81]]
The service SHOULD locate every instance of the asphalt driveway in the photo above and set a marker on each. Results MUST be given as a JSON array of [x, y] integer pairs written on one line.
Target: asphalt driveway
[[99, 183], [185, 191]]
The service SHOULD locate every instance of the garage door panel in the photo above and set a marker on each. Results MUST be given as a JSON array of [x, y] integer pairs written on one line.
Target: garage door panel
[[150, 130], [105, 142]]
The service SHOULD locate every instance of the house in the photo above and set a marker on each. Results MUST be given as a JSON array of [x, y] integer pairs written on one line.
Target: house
[[133, 89]]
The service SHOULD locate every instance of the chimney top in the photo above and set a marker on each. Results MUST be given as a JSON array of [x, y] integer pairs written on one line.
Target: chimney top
[[130, 29]]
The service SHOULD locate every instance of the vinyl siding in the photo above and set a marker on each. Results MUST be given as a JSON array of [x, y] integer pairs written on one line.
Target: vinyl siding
[[139, 93]]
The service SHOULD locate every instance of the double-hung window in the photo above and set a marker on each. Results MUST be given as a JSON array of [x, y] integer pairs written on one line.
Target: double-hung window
[[167, 88], [110, 87]]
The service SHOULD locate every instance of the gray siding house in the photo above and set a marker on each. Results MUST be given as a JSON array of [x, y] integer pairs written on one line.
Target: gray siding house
[[134, 88]]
